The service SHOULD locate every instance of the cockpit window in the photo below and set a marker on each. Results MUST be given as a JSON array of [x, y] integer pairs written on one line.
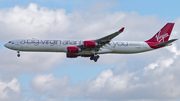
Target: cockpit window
[[9, 42]]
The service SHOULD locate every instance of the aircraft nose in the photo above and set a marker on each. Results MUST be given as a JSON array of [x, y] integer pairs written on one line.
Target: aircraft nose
[[6, 45]]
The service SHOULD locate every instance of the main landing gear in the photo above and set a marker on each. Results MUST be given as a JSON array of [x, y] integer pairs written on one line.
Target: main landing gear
[[18, 55], [94, 57]]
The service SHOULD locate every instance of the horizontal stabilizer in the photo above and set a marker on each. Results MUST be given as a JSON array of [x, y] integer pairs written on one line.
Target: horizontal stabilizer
[[166, 43]]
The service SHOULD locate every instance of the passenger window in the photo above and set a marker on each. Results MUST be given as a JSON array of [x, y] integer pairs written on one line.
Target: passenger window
[[9, 41]]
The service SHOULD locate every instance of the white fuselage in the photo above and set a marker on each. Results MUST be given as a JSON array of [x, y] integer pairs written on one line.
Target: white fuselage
[[35, 45]]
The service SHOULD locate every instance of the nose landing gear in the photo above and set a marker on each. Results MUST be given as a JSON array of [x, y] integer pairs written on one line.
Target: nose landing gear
[[18, 55]]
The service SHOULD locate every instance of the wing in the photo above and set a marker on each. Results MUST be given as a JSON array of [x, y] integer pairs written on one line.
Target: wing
[[107, 39], [102, 41]]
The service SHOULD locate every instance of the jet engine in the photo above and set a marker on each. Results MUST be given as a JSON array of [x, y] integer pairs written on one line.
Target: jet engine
[[73, 49], [90, 44], [71, 55]]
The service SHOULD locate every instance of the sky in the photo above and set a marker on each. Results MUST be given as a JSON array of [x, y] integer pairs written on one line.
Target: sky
[[149, 76]]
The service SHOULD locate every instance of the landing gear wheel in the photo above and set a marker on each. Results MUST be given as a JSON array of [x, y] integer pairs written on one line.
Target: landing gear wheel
[[18, 55], [96, 58], [92, 57]]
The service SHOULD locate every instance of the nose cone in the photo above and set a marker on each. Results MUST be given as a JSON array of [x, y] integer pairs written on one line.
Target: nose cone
[[6, 45]]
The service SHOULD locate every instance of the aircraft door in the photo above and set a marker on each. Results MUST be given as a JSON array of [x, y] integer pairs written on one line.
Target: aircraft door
[[17, 43]]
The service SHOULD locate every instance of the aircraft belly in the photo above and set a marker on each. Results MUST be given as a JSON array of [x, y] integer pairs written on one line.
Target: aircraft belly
[[105, 50]]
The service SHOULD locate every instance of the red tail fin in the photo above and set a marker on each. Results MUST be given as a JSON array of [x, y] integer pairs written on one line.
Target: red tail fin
[[163, 35]]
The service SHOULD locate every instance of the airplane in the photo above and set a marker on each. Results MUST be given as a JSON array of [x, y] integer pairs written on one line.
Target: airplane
[[91, 48]]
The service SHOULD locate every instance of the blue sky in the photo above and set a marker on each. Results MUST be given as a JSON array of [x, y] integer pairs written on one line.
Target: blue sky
[[167, 11]]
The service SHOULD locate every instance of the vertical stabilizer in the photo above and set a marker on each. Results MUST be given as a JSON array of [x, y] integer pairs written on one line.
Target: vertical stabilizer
[[162, 35]]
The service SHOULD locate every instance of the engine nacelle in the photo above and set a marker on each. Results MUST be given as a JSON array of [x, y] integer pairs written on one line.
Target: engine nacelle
[[73, 49], [71, 55], [90, 44]]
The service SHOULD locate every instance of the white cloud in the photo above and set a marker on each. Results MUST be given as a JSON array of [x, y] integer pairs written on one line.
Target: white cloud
[[41, 22], [151, 66], [55, 87], [109, 86], [32, 22], [48, 82], [107, 80], [9, 90]]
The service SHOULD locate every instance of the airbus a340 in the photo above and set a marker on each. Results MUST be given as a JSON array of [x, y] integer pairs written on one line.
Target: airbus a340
[[91, 48]]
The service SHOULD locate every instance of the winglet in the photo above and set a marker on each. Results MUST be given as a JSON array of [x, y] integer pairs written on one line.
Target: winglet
[[121, 30]]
